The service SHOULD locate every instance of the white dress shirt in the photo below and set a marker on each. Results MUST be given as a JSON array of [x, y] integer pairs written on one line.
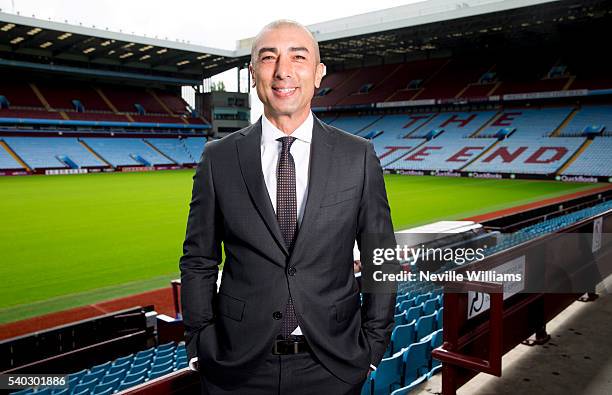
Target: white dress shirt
[[270, 152]]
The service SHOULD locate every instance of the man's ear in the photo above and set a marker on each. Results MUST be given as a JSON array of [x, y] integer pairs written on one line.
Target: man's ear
[[252, 75], [319, 74]]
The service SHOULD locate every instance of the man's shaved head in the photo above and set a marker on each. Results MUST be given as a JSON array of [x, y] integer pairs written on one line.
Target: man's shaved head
[[283, 23]]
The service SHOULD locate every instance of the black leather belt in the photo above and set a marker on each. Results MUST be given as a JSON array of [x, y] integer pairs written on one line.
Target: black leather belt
[[293, 345]]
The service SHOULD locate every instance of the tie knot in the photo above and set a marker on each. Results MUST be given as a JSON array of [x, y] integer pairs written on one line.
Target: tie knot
[[286, 141]]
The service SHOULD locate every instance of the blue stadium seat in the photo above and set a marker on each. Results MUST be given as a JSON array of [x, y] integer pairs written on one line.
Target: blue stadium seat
[[147, 352], [120, 374], [402, 336], [422, 298], [107, 391], [122, 360], [94, 375], [85, 386], [430, 305], [160, 371], [414, 313], [400, 319], [387, 376], [124, 366], [103, 388], [78, 374], [425, 326], [165, 347], [131, 382], [416, 361], [141, 370], [440, 300], [406, 304], [164, 365], [61, 391], [160, 360], [103, 367], [140, 365], [439, 318], [435, 342], [406, 390]]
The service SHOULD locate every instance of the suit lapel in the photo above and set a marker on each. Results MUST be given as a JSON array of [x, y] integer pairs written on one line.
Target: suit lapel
[[249, 156], [321, 151]]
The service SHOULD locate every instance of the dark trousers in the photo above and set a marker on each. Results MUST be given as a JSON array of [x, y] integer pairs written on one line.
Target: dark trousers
[[297, 374]]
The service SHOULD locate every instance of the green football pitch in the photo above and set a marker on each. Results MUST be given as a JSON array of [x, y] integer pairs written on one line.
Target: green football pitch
[[67, 241]]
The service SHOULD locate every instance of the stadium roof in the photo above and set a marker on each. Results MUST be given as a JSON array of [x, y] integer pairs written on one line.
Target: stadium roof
[[392, 35], [423, 28], [34, 43]]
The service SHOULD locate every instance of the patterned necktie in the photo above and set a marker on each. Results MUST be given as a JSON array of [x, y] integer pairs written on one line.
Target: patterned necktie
[[286, 215]]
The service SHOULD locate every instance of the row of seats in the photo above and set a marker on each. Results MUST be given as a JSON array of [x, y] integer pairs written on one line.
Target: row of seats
[[524, 122], [122, 373], [101, 98], [457, 77], [67, 152]]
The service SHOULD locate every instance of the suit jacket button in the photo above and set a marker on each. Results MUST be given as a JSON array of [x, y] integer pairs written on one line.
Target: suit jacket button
[[277, 315], [291, 271]]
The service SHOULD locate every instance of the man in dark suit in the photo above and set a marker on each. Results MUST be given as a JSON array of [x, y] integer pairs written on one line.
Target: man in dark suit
[[288, 196]]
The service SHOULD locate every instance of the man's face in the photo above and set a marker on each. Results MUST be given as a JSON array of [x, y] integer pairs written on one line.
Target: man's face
[[285, 71]]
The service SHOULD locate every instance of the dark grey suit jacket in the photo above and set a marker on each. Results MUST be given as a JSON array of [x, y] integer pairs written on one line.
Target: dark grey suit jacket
[[233, 330]]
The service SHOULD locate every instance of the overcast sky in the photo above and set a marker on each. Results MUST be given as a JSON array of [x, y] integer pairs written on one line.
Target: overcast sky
[[214, 23]]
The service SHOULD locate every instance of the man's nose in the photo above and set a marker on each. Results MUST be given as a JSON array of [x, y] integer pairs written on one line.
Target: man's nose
[[283, 68]]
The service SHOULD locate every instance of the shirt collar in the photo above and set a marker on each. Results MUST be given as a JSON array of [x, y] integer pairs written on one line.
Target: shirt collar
[[270, 133]]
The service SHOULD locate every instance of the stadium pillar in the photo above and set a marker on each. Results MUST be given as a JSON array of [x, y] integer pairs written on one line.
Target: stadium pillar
[[239, 79]]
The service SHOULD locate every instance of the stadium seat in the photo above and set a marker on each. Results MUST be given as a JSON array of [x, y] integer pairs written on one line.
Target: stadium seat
[[119, 375], [61, 391], [165, 347], [93, 375], [402, 336], [107, 391], [124, 367], [429, 307], [167, 363], [414, 313], [435, 342], [135, 372], [161, 359], [160, 371], [439, 318], [102, 367], [103, 388], [400, 319], [387, 376], [406, 390], [425, 326], [416, 361], [120, 361], [131, 382], [406, 304], [422, 298], [78, 375], [85, 387]]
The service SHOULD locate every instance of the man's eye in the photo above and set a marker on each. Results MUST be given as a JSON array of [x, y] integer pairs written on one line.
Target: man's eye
[[267, 57], [300, 57]]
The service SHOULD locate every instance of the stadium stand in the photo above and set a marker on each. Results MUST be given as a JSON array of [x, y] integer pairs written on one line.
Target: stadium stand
[[353, 124], [527, 155], [124, 372], [177, 149], [457, 124], [126, 152], [442, 154], [7, 161], [527, 122], [589, 116], [595, 160], [194, 146], [52, 152]]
